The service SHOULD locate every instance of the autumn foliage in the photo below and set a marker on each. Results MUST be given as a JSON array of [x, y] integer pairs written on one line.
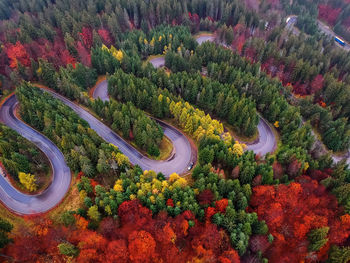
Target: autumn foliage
[[105, 36], [135, 237], [17, 54], [328, 14], [291, 212]]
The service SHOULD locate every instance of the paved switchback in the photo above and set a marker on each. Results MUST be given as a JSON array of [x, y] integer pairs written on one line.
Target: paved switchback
[[32, 204], [179, 162], [266, 142]]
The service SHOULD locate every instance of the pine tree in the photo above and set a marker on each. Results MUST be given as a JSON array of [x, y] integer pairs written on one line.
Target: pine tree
[[339, 255], [5, 228], [317, 238]]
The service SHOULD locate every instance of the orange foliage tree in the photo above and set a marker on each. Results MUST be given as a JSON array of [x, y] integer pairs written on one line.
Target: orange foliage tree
[[291, 212], [135, 236], [17, 53]]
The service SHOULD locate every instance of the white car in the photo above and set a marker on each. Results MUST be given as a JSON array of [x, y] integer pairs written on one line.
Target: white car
[[190, 166]]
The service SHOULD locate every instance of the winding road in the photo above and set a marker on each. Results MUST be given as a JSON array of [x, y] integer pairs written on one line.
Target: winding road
[[292, 20], [266, 142], [178, 162], [183, 154], [290, 24], [33, 204]]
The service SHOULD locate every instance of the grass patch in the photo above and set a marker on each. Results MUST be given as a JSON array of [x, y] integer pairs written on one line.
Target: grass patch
[[203, 33], [17, 221], [239, 137], [165, 148], [70, 202], [277, 136]]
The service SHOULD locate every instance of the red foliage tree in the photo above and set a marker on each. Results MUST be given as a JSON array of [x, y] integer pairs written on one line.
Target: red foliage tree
[[290, 212], [117, 251], [139, 238], [54, 52], [221, 205], [86, 36], [328, 14], [239, 43], [294, 168], [38, 244], [17, 54], [316, 84], [84, 54], [277, 170], [300, 88], [105, 36], [229, 256], [205, 197], [170, 202], [131, 211], [238, 29], [107, 227], [92, 246], [67, 58], [141, 246], [320, 175], [209, 212]]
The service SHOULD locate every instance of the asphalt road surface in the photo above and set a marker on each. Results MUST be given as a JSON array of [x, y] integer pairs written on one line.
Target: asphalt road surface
[[158, 62], [204, 38], [292, 19], [266, 142], [179, 162], [326, 29], [101, 91], [32, 204]]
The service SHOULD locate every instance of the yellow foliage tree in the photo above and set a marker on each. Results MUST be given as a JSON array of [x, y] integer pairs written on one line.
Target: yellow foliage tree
[[238, 148], [118, 54], [82, 195], [28, 181], [189, 125], [181, 182], [118, 186], [199, 133], [173, 177], [121, 159], [152, 42], [108, 210]]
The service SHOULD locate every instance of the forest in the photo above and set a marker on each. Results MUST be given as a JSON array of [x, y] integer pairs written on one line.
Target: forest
[[84, 150], [231, 204], [22, 160]]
